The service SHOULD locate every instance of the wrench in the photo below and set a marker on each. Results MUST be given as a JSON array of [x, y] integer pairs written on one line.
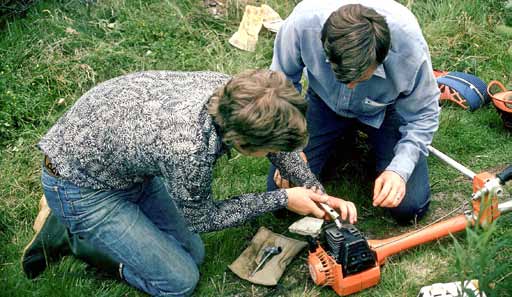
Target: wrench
[[267, 252]]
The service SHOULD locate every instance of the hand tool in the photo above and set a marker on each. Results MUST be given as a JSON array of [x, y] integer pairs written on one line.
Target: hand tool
[[267, 253], [335, 216]]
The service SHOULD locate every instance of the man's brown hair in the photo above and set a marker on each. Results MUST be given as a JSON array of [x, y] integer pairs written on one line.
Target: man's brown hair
[[260, 109], [355, 38]]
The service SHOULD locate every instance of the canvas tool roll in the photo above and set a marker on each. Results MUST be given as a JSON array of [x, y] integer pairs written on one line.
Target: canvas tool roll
[[271, 272]]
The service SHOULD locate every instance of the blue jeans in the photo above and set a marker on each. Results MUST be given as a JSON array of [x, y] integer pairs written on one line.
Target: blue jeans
[[325, 127], [139, 227]]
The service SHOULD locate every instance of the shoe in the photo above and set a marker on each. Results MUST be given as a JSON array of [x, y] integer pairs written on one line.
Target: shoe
[[53, 241], [49, 244]]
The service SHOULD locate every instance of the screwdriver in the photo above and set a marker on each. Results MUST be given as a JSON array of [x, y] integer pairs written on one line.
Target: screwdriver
[[267, 253]]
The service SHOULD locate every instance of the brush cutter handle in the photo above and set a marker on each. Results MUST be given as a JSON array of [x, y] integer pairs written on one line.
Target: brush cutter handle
[[505, 175], [467, 172]]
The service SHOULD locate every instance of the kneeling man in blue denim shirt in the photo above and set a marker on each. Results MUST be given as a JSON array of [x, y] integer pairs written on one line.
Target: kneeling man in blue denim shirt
[[368, 65]]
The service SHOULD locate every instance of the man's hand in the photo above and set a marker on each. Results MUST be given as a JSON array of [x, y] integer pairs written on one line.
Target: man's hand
[[303, 201], [283, 183], [346, 209], [389, 190]]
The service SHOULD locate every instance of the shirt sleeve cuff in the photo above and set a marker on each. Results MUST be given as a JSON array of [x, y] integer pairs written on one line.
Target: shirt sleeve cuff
[[402, 166], [277, 200]]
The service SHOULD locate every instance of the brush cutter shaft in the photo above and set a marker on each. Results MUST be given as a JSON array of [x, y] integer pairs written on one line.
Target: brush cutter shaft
[[390, 246], [393, 245], [467, 172]]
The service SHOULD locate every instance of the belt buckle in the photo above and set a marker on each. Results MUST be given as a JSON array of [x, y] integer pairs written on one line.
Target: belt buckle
[[50, 167]]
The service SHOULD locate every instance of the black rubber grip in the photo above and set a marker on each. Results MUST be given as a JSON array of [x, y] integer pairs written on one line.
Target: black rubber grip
[[505, 175]]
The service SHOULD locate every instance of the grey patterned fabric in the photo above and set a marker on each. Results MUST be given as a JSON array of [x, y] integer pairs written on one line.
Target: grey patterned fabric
[[155, 123]]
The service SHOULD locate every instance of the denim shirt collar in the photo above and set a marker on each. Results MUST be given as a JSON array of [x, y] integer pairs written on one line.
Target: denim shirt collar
[[380, 71]]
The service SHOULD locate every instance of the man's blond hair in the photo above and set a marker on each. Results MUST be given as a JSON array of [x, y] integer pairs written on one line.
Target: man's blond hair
[[260, 109]]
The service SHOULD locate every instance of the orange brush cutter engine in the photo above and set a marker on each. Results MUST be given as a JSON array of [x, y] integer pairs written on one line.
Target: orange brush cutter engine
[[341, 260]]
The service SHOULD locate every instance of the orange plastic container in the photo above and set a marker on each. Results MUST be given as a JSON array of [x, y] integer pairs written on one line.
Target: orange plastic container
[[502, 101]]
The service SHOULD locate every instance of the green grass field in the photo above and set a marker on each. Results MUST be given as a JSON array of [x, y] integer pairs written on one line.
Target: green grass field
[[60, 49]]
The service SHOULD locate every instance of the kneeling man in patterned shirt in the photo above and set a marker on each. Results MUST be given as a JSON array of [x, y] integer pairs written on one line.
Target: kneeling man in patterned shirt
[[127, 171]]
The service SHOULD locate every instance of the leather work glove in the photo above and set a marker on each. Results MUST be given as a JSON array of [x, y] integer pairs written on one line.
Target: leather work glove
[[271, 19], [270, 273], [247, 35]]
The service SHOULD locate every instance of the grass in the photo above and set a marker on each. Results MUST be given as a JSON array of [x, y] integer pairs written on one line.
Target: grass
[[60, 49]]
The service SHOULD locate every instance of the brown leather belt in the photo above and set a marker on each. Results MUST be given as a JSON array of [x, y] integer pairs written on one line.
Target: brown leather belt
[[50, 167]]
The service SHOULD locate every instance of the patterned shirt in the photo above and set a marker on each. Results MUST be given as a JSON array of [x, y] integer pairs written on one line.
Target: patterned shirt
[[155, 123], [404, 80]]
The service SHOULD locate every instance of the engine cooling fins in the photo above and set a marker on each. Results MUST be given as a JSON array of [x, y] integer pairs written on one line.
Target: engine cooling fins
[[338, 261]]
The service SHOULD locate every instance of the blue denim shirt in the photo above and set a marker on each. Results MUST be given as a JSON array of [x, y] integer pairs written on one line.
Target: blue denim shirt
[[404, 80]]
